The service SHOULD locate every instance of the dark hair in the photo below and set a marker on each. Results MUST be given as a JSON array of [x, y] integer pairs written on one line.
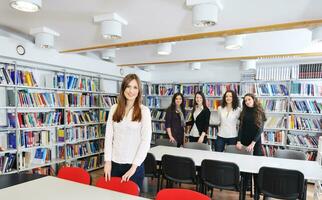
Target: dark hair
[[259, 111], [204, 103], [121, 102], [172, 106], [235, 102]]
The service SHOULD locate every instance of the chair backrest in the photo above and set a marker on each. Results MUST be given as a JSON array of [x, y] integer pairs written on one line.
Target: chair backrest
[[290, 154], [219, 174], [196, 145], [150, 166], [281, 183], [115, 184], [178, 169], [164, 142], [233, 149], [75, 174], [181, 194]]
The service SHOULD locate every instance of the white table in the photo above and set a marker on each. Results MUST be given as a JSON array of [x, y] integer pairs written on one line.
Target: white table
[[52, 188], [246, 163]]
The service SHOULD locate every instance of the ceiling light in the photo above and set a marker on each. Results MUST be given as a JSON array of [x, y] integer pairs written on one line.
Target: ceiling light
[[247, 65], [165, 48], [204, 12], [108, 54], [44, 37], [111, 25], [195, 66], [147, 68], [317, 34], [26, 5], [233, 42]]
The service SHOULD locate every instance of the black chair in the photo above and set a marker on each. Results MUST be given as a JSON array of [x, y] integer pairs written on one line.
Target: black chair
[[247, 177], [196, 145], [176, 169], [150, 168], [290, 154], [281, 183], [164, 142], [220, 175]]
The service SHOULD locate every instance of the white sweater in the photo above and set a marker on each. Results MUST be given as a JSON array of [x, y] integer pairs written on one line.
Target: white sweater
[[128, 142], [228, 122]]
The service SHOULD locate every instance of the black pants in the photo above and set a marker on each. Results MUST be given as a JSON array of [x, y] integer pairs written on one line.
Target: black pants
[[119, 170]]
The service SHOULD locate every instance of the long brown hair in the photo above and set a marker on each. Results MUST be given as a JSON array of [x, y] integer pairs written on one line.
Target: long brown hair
[[121, 103], [204, 103], [259, 111]]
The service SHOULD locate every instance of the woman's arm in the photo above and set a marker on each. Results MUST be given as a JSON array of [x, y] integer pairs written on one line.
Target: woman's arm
[[168, 125]]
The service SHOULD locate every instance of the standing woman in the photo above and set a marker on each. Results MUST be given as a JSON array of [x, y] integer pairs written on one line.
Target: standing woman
[[251, 125], [200, 119], [128, 134], [228, 113], [175, 119]]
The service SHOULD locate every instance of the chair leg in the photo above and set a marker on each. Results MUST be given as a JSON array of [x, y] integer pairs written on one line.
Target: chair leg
[[211, 192]]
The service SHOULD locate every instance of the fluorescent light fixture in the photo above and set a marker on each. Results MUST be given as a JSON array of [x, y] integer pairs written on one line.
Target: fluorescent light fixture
[[26, 5], [233, 42], [165, 48], [44, 37], [108, 54], [317, 34], [204, 12], [111, 25], [195, 66]]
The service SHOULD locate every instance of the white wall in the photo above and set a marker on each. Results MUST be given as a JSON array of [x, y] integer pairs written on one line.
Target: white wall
[[52, 57], [209, 72]]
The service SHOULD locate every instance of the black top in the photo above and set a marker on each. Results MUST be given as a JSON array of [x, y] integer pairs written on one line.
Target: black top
[[249, 132], [173, 121], [202, 121], [14, 179]]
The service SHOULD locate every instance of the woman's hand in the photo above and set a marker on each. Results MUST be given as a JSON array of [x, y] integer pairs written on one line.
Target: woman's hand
[[172, 140], [250, 147], [239, 146], [126, 177], [201, 139], [107, 170]]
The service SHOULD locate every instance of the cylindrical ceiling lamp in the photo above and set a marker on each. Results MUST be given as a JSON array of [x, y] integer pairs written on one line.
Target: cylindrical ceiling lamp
[[26, 5], [233, 42], [44, 37], [165, 48]]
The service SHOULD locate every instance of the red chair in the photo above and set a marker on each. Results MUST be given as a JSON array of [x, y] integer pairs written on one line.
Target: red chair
[[75, 174], [180, 194], [115, 184]]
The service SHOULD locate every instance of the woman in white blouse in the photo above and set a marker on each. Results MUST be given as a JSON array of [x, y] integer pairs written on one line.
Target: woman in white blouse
[[128, 133], [229, 113]]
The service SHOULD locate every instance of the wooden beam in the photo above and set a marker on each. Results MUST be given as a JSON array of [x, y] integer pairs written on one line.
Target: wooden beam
[[225, 59], [256, 29]]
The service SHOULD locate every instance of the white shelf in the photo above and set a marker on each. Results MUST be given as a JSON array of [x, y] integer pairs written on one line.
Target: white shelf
[[302, 147], [84, 156], [158, 120], [33, 166], [276, 112], [159, 132], [93, 169], [8, 151], [84, 140], [273, 144], [310, 114], [37, 147], [305, 131]]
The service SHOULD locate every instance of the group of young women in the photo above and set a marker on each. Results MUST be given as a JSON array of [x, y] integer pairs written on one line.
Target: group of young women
[[128, 127]]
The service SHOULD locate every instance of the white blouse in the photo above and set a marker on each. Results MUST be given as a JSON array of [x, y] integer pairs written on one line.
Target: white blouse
[[228, 122], [127, 141]]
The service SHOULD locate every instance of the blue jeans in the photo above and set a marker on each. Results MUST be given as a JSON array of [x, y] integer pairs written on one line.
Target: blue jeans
[[221, 142], [119, 170]]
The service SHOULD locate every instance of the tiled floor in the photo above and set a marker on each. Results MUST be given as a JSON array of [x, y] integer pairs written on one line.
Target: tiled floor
[[218, 195]]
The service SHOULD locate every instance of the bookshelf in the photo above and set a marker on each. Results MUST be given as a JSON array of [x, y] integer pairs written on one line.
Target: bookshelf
[[52, 117]]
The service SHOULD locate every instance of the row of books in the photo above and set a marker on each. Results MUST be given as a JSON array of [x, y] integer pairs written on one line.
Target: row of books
[[274, 105], [213, 132], [303, 140], [270, 152], [248, 88], [305, 123], [36, 119], [37, 157], [84, 148], [269, 89], [8, 163], [89, 163], [154, 102], [34, 99], [81, 117], [77, 134], [76, 82], [37, 138], [84, 100], [108, 101], [310, 71], [306, 89], [274, 137], [219, 89], [306, 106], [274, 72], [103, 115], [8, 140], [158, 126], [8, 75], [273, 122], [158, 114]]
